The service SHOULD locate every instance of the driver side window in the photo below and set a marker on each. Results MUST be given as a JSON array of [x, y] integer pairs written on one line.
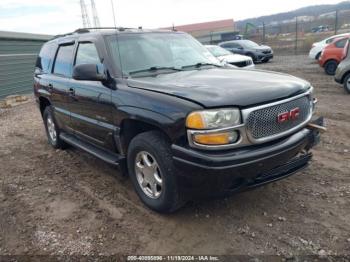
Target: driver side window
[[87, 54]]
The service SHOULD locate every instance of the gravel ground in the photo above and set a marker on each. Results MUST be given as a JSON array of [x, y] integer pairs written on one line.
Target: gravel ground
[[67, 202]]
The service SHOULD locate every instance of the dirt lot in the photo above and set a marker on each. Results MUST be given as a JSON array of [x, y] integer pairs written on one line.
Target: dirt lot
[[67, 202]]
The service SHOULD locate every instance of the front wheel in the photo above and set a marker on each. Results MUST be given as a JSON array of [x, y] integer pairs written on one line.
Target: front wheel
[[347, 83], [330, 67], [152, 172]]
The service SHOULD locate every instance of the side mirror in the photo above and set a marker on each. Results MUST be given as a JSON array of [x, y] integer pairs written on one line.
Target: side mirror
[[88, 72]]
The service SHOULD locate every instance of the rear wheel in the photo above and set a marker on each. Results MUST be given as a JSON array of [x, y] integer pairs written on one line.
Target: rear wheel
[[330, 67], [151, 169], [347, 83], [52, 129]]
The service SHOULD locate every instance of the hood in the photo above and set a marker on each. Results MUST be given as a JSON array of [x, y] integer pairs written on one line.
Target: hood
[[224, 87], [234, 58], [263, 48]]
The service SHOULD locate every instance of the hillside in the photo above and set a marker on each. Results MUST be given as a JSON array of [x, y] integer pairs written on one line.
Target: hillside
[[315, 10]]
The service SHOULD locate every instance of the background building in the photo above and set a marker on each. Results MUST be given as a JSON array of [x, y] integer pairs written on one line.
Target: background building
[[210, 32], [18, 52]]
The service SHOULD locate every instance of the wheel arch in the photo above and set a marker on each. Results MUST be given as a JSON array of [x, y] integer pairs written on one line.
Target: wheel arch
[[43, 103], [344, 76], [139, 120]]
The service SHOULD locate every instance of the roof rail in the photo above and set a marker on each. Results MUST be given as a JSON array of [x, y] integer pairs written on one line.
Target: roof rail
[[87, 30]]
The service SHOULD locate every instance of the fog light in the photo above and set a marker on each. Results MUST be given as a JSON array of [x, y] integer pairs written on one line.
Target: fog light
[[223, 138]]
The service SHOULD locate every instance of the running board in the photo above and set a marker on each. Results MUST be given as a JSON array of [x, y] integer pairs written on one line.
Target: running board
[[106, 156]]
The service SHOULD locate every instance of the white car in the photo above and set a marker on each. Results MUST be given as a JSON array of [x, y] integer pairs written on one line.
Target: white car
[[227, 57], [317, 48]]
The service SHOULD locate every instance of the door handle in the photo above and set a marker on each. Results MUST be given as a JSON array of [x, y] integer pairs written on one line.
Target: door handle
[[50, 87], [71, 91]]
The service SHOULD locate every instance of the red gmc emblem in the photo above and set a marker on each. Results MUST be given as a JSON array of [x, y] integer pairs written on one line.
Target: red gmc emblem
[[286, 116]]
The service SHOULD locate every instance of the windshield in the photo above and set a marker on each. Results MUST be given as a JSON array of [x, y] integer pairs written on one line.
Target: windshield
[[248, 43], [137, 53], [218, 51]]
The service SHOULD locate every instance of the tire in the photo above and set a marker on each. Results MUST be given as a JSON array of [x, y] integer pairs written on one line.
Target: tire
[[318, 56], [347, 83], [158, 166], [252, 56], [52, 129], [330, 67]]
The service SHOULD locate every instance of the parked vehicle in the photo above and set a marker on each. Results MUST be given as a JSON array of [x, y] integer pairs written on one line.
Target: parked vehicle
[[317, 48], [259, 53], [332, 55], [160, 106], [225, 56], [342, 74], [320, 29]]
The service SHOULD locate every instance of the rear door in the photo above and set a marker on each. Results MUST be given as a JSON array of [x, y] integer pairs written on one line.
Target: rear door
[[91, 108], [59, 84]]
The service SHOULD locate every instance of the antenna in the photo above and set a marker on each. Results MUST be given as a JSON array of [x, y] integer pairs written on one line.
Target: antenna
[[115, 24], [84, 14], [95, 18]]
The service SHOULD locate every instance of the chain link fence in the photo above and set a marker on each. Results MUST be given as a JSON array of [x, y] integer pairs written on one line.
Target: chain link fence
[[297, 35]]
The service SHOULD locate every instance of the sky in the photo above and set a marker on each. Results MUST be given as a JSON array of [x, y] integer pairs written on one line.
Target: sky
[[61, 16]]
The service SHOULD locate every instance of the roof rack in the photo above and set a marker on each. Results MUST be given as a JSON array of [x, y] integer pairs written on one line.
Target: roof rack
[[88, 30]]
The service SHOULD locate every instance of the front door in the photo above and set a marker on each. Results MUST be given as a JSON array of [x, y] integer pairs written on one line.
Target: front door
[[91, 108]]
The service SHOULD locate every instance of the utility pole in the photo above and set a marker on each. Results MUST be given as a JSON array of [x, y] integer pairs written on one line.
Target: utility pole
[[336, 22], [296, 35], [115, 24], [95, 18], [84, 14], [263, 33]]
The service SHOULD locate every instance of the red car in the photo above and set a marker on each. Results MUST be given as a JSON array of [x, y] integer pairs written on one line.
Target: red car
[[332, 54]]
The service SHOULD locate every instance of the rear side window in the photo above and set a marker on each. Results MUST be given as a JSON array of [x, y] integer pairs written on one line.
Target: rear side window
[[46, 56], [330, 40], [341, 43], [63, 62], [87, 54]]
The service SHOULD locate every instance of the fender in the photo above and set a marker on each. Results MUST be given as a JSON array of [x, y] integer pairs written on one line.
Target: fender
[[168, 125]]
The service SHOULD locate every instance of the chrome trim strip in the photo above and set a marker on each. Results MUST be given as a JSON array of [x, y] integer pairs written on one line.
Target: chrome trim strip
[[239, 128]]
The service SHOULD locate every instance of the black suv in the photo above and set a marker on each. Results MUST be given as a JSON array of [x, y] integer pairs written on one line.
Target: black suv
[[259, 53], [161, 107]]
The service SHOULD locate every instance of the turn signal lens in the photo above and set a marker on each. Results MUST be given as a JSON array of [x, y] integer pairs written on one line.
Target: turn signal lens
[[195, 120], [216, 138]]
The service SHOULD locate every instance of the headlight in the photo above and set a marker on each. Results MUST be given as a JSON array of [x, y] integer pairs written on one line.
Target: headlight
[[214, 119]]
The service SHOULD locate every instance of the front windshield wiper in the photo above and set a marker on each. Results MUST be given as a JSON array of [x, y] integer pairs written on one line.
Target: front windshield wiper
[[155, 69], [199, 65]]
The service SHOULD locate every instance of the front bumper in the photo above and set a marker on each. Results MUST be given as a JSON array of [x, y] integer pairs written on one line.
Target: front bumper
[[263, 57], [213, 173]]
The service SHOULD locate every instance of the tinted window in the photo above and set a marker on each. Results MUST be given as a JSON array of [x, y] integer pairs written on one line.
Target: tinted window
[[63, 60], [45, 57], [341, 43], [87, 54], [228, 45], [330, 40]]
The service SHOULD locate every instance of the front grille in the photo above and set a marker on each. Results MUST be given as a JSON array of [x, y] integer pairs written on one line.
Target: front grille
[[263, 123], [242, 64], [267, 52]]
